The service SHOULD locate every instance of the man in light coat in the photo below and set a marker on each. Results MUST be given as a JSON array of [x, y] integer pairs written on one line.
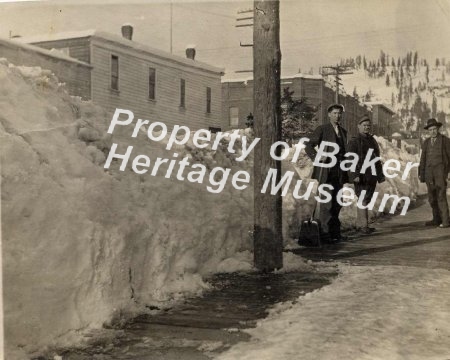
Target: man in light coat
[[332, 132], [433, 170]]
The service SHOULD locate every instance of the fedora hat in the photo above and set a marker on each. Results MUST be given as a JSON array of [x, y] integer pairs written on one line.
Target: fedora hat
[[432, 122], [335, 106]]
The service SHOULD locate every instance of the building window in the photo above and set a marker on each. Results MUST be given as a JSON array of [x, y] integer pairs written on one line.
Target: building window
[[152, 83], [182, 93], [234, 116], [208, 100], [214, 129], [114, 72]]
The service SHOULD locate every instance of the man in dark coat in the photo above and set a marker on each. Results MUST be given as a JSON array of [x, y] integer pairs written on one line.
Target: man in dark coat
[[333, 133], [360, 145], [433, 170]]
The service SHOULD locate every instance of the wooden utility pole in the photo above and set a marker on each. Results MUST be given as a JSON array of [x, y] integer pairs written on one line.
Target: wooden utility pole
[[268, 240], [336, 71]]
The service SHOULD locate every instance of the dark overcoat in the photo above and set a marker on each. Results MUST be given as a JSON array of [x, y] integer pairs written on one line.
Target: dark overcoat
[[360, 145], [445, 142], [326, 133]]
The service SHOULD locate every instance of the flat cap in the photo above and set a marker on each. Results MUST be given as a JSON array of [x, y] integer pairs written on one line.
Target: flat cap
[[364, 118], [335, 106]]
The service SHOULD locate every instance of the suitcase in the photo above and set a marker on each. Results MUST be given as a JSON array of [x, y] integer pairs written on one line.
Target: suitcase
[[310, 233], [310, 229]]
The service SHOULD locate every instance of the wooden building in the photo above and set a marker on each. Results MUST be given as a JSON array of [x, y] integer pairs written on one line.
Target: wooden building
[[382, 118], [154, 84]]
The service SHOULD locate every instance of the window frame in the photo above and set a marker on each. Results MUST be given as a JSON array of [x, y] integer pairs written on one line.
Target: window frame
[[208, 99], [237, 115], [151, 85], [182, 93], [114, 76]]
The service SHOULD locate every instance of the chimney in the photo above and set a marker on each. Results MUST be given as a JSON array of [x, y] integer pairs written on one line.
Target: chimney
[[190, 52], [127, 31]]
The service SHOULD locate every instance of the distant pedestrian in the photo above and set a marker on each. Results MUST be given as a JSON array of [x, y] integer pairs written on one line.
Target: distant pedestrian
[[332, 132], [433, 170], [367, 182]]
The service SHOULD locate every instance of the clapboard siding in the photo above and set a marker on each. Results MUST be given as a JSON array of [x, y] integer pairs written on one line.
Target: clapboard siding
[[133, 87], [79, 48]]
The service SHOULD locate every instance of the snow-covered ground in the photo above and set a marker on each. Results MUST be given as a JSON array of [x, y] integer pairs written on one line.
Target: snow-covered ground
[[377, 313], [83, 245]]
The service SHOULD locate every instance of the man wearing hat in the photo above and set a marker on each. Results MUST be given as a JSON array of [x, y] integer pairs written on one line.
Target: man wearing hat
[[360, 145], [333, 133], [433, 170]]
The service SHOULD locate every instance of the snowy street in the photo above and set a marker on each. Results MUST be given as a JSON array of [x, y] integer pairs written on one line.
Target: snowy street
[[390, 300], [161, 161]]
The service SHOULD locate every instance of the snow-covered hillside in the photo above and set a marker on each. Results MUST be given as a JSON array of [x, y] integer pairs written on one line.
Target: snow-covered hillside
[[401, 87]]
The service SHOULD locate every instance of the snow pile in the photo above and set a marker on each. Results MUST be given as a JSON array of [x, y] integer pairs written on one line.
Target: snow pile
[[82, 245], [367, 313]]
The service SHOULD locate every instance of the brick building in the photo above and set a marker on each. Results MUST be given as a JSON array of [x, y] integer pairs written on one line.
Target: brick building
[[237, 97]]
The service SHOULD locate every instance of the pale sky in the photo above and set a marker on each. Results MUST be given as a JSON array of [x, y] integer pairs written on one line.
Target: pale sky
[[313, 32]]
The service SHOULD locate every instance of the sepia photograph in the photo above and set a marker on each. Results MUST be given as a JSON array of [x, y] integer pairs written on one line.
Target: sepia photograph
[[227, 180]]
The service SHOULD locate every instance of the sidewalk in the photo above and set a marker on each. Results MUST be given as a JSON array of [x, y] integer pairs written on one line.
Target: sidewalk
[[206, 326], [399, 240]]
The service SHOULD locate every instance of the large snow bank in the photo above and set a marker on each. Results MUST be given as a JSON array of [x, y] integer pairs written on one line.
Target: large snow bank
[[82, 245], [367, 313]]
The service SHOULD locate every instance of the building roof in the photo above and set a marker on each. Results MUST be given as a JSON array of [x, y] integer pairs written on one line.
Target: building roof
[[124, 42], [282, 78], [370, 104], [52, 53], [304, 76]]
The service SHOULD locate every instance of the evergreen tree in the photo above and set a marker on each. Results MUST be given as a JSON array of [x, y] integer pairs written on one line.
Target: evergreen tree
[[443, 76], [427, 73], [437, 62], [297, 116], [397, 80], [434, 107], [364, 63], [415, 59], [358, 61], [398, 62], [249, 122], [393, 100], [387, 80], [355, 93], [409, 59], [400, 95], [440, 116], [401, 74], [382, 60], [393, 62]]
